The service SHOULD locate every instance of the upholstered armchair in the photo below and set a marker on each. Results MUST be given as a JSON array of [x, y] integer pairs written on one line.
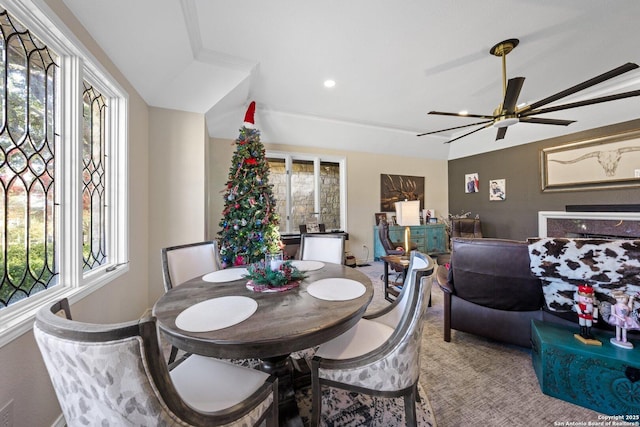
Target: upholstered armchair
[[489, 290], [380, 355], [469, 228], [115, 375]]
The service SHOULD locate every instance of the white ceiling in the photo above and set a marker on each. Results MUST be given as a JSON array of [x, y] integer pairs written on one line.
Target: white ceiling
[[393, 61]]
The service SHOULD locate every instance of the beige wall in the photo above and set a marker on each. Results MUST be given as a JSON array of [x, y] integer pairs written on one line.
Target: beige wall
[[24, 377], [177, 196], [363, 186]]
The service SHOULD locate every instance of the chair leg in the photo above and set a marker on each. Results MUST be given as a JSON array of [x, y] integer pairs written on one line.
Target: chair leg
[[316, 395], [174, 353], [272, 420], [410, 406], [447, 317]]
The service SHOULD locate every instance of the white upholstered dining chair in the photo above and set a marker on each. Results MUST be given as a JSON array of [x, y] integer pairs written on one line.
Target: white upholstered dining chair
[[115, 375], [184, 262], [380, 355], [322, 247]]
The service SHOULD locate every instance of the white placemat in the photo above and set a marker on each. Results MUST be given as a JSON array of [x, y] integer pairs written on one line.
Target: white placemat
[[305, 265], [216, 313], [226, 275], [336, 289]]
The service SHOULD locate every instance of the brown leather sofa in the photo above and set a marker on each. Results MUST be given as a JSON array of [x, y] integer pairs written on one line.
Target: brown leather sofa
[[490, 291]]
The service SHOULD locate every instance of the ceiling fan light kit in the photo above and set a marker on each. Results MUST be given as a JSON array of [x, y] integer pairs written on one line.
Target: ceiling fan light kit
[[508, 113]]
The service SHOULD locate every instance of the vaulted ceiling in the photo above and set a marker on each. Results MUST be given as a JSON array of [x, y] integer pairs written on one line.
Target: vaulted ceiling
[[392, 61]]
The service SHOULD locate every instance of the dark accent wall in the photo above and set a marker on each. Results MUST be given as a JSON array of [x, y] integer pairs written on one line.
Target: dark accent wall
[[517, 216]]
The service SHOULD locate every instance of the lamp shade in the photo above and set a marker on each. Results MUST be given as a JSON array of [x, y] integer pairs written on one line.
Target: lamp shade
[[408, 212]]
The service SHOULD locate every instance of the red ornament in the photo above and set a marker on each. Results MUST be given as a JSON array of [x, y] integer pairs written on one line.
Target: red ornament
[[250, 161]]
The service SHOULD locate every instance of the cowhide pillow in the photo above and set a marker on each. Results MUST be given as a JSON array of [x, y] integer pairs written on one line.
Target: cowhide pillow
[[563, 264]]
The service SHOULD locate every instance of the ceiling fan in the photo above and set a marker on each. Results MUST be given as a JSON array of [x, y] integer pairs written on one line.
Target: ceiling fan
[[508, 113]]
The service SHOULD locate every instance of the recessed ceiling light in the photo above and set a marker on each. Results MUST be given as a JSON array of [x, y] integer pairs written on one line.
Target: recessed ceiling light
[[463, 112], [329, 83]]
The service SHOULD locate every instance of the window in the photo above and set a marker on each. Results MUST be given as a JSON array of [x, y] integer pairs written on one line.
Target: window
[[63, 168], [93, 178], [308, 187]]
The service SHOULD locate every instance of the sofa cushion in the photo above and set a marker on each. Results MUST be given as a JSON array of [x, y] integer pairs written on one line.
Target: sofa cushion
[[562, 264], [495, 273]]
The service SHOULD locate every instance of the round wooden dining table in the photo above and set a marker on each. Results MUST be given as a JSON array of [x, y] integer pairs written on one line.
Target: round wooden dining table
[[283, 323]]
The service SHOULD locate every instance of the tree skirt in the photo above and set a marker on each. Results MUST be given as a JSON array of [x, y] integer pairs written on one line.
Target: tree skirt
[[341, 408]]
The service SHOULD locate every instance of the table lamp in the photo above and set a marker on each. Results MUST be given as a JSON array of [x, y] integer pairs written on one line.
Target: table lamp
[[408, 214]]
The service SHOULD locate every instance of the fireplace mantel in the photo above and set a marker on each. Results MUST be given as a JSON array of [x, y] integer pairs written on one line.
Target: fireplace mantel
[[623, 225]]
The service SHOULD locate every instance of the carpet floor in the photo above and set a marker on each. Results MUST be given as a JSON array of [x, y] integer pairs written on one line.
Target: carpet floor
[[473, 381]]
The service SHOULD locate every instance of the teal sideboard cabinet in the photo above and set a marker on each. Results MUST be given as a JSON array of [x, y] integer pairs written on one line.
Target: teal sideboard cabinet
[[430, 238], [603, 378]]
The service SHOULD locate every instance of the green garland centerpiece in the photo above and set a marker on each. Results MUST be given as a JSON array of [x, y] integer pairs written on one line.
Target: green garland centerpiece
[[263, 279]]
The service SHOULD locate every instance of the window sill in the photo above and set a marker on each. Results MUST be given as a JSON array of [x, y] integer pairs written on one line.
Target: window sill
[[16, 324]]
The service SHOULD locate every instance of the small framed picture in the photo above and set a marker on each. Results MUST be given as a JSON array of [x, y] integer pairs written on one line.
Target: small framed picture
[[393, 220], [471, 183], [497, 189], [433, 220], [380, 216]]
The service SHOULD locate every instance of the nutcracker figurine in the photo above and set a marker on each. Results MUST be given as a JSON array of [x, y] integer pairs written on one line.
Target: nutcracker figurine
[[587, 310]]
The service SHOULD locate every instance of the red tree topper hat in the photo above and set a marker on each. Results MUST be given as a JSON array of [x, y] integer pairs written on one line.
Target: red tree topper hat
[[249, 121]]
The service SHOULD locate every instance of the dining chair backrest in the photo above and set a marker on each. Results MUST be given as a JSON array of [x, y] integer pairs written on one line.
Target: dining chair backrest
[[322, 247], [385, 339], [420, 265], [405, 343], [115, 374], [184, 262]]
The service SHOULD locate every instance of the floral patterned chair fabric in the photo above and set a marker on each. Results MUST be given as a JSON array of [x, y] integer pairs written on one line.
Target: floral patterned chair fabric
[[115, 375], [380, 356]]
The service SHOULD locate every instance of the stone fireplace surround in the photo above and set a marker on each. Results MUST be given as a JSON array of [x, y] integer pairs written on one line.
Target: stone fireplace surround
[[617, 222]]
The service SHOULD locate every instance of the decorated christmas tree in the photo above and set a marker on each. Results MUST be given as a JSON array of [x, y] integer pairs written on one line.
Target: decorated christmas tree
[[249, 224]]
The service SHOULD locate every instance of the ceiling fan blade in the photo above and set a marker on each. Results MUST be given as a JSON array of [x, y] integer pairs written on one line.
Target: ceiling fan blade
[[584, 85], [475, 116], [511, 95], [546, 121], [453, 128], [468, 133], [501, 133], [583, 103]]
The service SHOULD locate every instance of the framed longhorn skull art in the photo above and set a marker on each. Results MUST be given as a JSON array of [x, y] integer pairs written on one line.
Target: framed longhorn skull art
[[397, 188], [607, 162]]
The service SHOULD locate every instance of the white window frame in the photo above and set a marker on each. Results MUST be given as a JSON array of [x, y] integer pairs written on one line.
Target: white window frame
[[76, 64], [289, 158]]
